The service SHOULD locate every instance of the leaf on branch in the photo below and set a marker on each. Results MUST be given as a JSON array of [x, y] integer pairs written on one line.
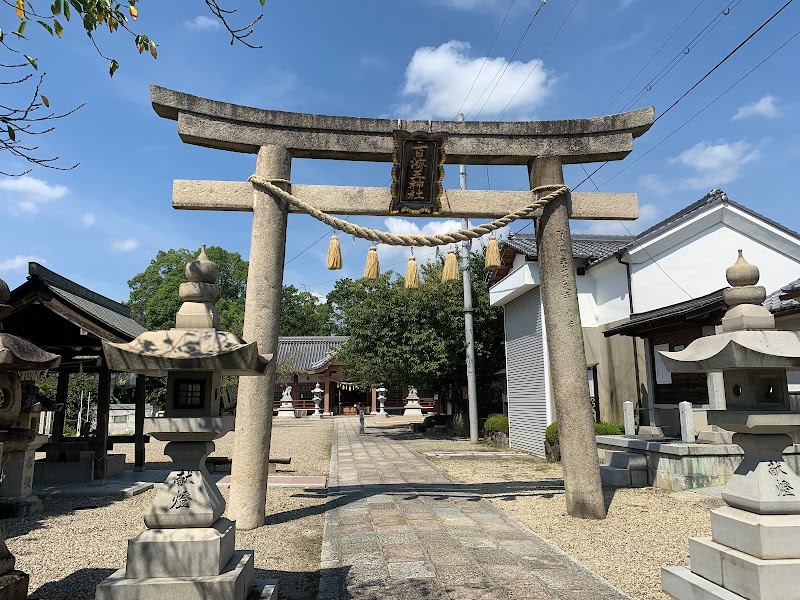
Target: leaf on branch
[[45, 101], [32, 61], [20, 8], [11, 134], [58, 28], [21, 28], [262, 2], [1, 35], [56, 7], [133, 11], [66, 10], [46, 26], [153, 51], [113, 67]]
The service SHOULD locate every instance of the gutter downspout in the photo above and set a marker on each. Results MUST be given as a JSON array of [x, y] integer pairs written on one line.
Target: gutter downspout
[[618, 256]]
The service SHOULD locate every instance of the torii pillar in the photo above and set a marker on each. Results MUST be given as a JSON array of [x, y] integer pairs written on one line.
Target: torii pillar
[[277, 137]]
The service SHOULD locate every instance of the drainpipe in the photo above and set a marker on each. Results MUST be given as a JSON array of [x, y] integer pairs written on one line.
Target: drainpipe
[[618, 255]]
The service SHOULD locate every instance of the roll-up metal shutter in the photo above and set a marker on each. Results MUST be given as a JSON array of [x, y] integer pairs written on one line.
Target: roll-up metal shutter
[[525, 373]]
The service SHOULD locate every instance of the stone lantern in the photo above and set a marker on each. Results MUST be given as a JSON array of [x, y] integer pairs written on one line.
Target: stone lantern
[[381, 393], [317, 393], [187, 550], [754, 550], [16, 354]]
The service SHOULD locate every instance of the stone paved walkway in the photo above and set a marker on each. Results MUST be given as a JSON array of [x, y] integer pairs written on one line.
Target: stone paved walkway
[[397, 527]]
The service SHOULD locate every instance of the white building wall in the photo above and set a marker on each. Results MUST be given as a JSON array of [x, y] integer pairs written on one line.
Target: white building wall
[[698, 265], [611, 286]]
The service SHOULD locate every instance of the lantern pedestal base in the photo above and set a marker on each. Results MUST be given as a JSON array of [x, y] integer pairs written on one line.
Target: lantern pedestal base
[[412, 409]]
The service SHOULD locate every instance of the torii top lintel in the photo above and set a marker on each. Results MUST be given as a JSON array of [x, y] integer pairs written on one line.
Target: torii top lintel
[[225, 126]]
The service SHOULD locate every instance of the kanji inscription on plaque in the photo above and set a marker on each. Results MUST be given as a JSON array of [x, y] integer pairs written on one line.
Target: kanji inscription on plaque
[[417, 172]]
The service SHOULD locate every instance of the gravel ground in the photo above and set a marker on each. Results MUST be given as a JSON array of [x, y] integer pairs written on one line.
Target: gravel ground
[[76, 542], [646, 528]]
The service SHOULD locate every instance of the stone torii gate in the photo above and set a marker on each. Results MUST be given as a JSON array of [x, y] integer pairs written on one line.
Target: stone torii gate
[[277, 137]]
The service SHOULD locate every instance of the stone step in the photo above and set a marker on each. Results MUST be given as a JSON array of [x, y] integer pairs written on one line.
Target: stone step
[[626, 460], [681, 584], [763, 536], [617, 477], [743, 574]]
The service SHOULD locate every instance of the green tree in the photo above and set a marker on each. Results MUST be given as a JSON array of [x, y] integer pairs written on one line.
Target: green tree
[[18, 124], [302, 313], [416, 336]]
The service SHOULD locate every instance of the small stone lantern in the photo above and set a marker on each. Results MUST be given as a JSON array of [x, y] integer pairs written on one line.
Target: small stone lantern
[[381, 393], [16, 354], [187, 550], [754, 550], [317, 393]]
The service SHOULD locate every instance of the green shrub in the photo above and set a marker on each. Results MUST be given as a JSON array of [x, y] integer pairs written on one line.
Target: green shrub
[[601, 428], [496, 423], [432, 420]]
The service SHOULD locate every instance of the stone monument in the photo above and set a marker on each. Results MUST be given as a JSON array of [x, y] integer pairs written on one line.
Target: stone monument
[[412, 407], [382, 414], [317, 393], [286, 409], [16, 354], [188, 549], [754, 548]]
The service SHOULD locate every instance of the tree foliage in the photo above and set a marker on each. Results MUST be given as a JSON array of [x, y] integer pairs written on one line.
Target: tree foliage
[[302, 314], [416, 336], [20, 124]]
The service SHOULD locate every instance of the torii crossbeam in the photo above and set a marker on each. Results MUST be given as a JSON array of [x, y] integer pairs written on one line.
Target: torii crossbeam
[[277, 137]]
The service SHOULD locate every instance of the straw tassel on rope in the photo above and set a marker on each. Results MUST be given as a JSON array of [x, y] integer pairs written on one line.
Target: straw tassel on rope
[[334, 254], [493, 254], [412, 272], [372, 269], [450, 270]]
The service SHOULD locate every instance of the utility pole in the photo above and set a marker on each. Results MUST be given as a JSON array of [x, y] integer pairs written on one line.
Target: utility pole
[[472, 393]]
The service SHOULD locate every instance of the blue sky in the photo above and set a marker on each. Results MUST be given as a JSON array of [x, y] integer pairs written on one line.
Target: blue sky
[[104, 221]]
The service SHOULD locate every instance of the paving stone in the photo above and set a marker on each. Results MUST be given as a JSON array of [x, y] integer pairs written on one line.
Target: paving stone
[[410, 570], [403, 552]]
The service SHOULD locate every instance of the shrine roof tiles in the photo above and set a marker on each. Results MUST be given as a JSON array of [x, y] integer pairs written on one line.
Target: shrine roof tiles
[[593, 248], [303, 354], [780, 301]]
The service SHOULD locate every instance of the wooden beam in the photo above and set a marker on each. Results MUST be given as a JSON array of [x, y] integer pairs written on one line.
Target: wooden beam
[[138, 427], [62, 387], [372, 201], [101, 432]]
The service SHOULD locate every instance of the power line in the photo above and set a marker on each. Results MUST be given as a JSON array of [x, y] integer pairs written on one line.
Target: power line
[[639, 72], [486, 57], [538, 62], [298, 255], [667, 69], [506, 62]]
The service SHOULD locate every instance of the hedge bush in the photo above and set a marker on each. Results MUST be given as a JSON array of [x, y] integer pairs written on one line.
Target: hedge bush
[[601, 428], [496, 423]]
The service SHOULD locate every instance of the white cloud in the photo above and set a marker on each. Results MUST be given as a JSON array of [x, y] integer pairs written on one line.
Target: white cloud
[[19, 262], [471, 4], [25, 194], [648, 215], [124, 245], [88, 219], [654, 184], [203, 23], [764, 107], [715, 164], [438, 80]]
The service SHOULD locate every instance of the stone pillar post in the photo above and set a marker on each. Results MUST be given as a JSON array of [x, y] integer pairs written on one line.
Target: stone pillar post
[[101, 432], [138, 425], [61, 398], [261, 324], [687, 422], [583, 490], [628, 416]]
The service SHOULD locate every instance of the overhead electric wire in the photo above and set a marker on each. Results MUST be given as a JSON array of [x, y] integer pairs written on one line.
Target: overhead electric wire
[[657, 52], [486, 57], [666, 70], [501, 72], [538, 62]]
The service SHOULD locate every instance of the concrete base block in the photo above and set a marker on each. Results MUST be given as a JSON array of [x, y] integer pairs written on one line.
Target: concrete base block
[[764, 536], [681, 584], [264, 589], [285, 413], [19, 506], [54, 473], [234, 583], [189, 552], [748, 576], [314, 417], [14, 586], [639, 478], [412, 409], [715, 437], [379, 415], [625, 460], [115, 464], [614, 476]]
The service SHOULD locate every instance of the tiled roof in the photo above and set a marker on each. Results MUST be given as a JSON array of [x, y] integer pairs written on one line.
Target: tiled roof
[[776, 304], [307, 353], [591, 247], [107, 311], [695, 307]]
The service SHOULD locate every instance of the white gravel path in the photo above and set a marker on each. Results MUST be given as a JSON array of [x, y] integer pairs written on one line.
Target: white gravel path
[[76, 542]]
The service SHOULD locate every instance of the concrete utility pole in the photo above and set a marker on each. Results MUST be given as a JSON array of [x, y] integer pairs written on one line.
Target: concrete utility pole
[[472, 393]]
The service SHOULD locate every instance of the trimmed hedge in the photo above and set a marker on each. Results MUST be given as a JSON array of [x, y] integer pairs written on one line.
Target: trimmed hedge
[[602, 428], [496, 423]]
